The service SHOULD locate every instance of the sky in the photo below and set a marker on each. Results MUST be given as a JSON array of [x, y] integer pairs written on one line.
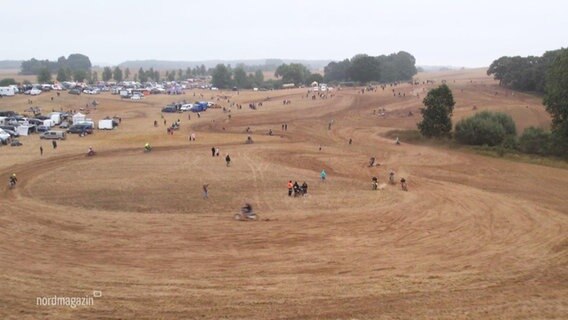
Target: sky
[[469, 33]]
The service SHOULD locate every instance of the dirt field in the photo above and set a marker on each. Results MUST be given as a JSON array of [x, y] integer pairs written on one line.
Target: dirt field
[[473, 238]]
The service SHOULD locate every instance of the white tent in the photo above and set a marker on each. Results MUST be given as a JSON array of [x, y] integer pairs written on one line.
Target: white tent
[[78, 118], [23, 130]]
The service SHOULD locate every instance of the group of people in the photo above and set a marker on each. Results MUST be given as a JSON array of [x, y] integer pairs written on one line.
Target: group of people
[[294, 189], [375, 182]]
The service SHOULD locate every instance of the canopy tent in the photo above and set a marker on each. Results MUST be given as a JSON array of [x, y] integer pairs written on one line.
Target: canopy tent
[[78, 118]]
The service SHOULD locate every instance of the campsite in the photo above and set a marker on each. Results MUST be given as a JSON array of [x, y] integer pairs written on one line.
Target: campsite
[[473, 235]]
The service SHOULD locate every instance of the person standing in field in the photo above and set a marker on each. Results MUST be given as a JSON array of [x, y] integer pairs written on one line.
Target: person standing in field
[[54, 143], [323, 175], [41, 150], [206, 191], [290, 186], [228, 160], [212, 151]]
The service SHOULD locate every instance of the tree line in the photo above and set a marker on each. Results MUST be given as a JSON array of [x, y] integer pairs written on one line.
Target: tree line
[[224, 77], [498, 129], [74, 62], [363, 68], [524, 73]]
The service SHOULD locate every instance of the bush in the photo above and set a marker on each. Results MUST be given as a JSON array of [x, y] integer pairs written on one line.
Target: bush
[[7, 81], [486, 128], [535, 141]]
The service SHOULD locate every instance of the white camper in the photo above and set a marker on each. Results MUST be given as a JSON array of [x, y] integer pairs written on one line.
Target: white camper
[[7, 91], [106, 124], [55, 117], [48, 123]]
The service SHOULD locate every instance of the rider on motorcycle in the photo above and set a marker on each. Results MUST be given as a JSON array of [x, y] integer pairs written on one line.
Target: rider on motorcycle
[[91, 152], [247, 210], [147, 147], [13, 179]]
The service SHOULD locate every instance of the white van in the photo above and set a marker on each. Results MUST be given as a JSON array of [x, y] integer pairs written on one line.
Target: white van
[[57, 135]]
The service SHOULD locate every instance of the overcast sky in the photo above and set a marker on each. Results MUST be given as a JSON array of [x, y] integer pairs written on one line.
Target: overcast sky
[[467, 33]]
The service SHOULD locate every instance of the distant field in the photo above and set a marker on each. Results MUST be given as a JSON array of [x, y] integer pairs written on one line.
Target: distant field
[[13, 73], [473, 238]]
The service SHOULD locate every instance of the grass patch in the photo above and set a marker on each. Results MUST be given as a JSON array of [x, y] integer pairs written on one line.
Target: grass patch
[[414, 137]]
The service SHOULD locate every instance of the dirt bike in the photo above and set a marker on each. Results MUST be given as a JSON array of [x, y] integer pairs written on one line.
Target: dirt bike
[[242, 216], [11, 184], [375, 185], [147, 149], [391, 179], [91, 153]]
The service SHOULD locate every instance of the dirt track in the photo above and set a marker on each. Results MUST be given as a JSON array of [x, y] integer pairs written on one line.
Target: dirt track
[[474, 238]]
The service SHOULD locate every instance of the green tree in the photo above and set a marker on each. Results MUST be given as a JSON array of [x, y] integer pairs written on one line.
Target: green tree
[[117, 74], [258, 78], [44, 76], [170, 75], [7, 81], [79, 75], [314, 77], [436, 117], [107, 74], [221, 77], [293, 73], [180, 75], [127, 73], [556, 102], [523, 73], [240, 78], [61, 75], [151, 74], [364, 68], [486, 128], [78, 61], [142, 76], [535, 141], [337, 71], [95, 77]]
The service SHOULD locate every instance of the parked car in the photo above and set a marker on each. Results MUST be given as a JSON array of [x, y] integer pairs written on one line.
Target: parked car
[[36, 122], [42, 128], [136, 97], [75, 91], [64, 125], [12, 133], [186, 107], [4, 137], [170, 109], [80, 128], [57, 135]]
